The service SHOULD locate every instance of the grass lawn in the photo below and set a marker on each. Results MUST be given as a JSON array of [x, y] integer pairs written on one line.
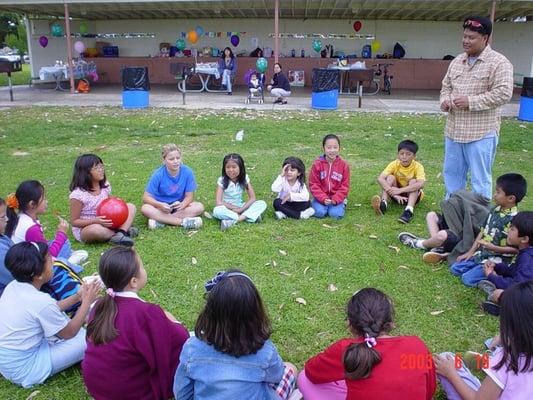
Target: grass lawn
[[42, 143], [17, 78]]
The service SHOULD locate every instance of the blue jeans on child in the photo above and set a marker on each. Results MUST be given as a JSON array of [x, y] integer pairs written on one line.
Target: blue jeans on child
[[471, 272], [334, 211], [476, 157], [465, 375]]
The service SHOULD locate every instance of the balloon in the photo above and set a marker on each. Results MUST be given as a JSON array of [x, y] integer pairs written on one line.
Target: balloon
[[375, 46], [79, 47], [180, 44], [114, 209], [43, 41], [192, 36], [84, 28], [357, 25], [317, 45], [199, 30], [261, 65], [235, 40], [57, 30]]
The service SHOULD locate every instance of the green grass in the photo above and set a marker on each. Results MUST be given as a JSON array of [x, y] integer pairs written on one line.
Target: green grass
[[17, 78], [319, 252]]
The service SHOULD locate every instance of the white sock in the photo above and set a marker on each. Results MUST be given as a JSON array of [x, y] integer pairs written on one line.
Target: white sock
[[410, 209], [419, 244]]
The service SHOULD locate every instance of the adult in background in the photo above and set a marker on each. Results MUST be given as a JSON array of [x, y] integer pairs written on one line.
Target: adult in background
[[279, 87], [227, 68], [477, 83]]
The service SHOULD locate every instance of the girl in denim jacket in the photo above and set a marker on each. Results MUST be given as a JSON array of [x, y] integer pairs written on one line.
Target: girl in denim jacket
[[231, 356]]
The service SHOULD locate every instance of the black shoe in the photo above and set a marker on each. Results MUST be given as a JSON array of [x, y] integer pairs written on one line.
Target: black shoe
[[491, 308], [277, 101], [406, 217], [230, 93]]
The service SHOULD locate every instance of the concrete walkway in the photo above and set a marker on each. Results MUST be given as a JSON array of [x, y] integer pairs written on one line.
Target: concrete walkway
[[410, 101]]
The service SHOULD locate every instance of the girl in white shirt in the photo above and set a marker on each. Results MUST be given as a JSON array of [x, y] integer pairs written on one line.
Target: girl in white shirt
[[293, 197]]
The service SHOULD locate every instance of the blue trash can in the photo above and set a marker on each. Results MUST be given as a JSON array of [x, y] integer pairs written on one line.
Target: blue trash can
[[135, 87], [325, 93], [525, 112]]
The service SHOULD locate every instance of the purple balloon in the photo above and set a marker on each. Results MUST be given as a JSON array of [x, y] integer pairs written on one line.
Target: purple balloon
[[43, 41], [235, 40]]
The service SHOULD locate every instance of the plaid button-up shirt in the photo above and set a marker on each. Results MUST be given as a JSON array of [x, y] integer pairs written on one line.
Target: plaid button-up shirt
[[488, 84]]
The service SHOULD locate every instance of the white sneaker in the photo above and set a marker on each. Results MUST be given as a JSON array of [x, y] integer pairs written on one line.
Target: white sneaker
[[280, 214], [153, 224], [227, 223], [78, 257], [192, 222], [307, 213]]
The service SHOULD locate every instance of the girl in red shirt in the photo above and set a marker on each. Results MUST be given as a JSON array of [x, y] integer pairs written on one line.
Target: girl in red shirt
[[371, 364]]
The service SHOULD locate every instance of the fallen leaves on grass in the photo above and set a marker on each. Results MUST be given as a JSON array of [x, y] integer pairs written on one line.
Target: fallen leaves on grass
[[306, 269], [300, 300], [396, 249], [282, 252], [327, 226], [21, 153], [33, 394], [194, 261], [372, 237], [207, 215], [284, 273], [191, 233], [153, 293], [437, 312], [403, 266], [332, 287], [274, 263]]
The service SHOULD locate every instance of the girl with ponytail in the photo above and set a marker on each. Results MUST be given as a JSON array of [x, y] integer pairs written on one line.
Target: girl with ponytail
[[133, 347], [372, 364]]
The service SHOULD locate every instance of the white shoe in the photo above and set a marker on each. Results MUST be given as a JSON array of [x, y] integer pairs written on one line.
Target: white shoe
[[78, 257], [192, 222], [227, 223], [280, 215], [153, 224], [307, 213]]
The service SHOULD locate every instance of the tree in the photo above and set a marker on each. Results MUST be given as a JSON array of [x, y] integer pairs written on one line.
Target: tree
[[13, 32]]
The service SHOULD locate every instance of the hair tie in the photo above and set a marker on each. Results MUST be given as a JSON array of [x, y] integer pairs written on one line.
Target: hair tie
[[12, 201], [111, 292], [370, 341], [36, 246], [221, 275]]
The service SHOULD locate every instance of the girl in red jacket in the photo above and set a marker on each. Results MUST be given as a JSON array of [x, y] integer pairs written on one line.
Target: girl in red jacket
[[329, 180], [371, 364]]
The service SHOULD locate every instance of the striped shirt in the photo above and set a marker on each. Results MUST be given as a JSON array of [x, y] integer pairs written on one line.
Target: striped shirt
[[488, 83]]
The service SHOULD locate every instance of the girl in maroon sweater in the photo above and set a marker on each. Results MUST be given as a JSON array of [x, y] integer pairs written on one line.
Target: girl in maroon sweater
[[133, 347], [371, 364]]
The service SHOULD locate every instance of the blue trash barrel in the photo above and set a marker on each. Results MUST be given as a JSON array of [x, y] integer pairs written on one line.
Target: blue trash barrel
[[526, 101], [135, 87], [325, 93]]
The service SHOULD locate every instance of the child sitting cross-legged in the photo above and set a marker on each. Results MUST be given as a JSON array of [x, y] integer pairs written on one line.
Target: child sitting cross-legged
[[501, 276], [402, 181]]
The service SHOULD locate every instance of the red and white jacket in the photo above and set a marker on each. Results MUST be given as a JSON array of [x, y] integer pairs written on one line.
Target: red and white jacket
[[329, 181]]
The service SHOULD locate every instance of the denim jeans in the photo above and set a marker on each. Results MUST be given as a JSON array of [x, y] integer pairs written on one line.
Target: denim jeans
[[470, 272], [226, 79], [334, 211], [475, 157]]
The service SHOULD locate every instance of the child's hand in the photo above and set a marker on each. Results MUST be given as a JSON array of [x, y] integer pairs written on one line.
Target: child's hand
[[444, 366], [89, 292], [102, 220], [395, 191], [400, 199], [464, 257], [63, 225], [176, 205], [284, 170], [445, 106], [285, 198], [488, 267], [166, 208], [327, 202]]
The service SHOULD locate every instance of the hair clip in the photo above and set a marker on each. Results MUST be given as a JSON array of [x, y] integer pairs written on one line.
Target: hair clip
[[221, 275]]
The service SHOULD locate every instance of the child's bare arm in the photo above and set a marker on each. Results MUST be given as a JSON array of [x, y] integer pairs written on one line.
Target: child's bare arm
[[251, 198], [472, 250], [497, 249]]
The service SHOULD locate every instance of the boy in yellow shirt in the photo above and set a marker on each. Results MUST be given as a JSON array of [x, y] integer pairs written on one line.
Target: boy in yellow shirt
[[402, 181]]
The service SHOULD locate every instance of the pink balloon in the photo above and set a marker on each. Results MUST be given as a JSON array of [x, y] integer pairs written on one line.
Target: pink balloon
[[43, 41], [79, 47]]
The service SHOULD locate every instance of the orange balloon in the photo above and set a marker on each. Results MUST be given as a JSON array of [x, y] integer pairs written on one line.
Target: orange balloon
[[192, 36]]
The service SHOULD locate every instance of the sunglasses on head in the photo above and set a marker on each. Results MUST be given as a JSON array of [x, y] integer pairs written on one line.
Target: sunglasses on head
[[473, 23]]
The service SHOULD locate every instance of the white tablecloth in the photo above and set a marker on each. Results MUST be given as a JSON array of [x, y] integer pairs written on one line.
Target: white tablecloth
[[210, 68]]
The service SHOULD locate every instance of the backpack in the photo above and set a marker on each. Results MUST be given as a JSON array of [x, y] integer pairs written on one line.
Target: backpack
[[399, 51], [64, 283]]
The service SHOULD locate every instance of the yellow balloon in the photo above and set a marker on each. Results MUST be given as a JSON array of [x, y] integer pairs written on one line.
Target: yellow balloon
[[192, 36], [376, 45]]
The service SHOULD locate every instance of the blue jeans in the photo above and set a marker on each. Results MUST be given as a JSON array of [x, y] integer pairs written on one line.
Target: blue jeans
[[226, 79], [334, 211], [476, 157], [470, 272]]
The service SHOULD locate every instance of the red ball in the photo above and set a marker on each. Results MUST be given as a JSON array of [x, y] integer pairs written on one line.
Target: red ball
[[115, 209]]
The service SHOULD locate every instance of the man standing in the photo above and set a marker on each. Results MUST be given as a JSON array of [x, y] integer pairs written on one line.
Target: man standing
[[477, 83]]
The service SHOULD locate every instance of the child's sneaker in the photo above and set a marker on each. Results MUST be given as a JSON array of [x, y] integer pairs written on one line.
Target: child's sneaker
[[406, 216], [78, 257], [153, 224], [226, 223], [192, 222], [434, 257], [133, 232], [487, 286], [410, 240], [280, 215], [307, 213], [491, 308], [379, 205], [121, 239]]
